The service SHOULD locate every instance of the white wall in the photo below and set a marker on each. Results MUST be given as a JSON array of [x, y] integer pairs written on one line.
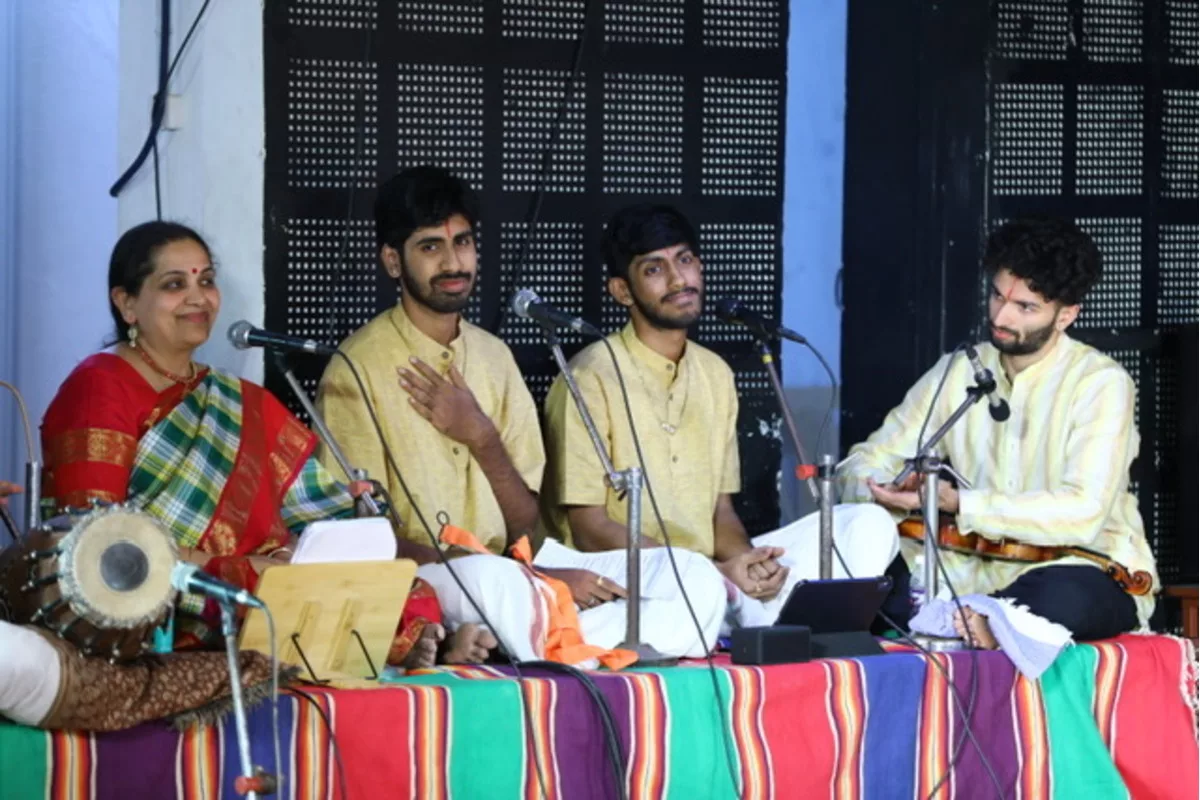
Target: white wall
[[212, 167], [812, 217], [59, 144]]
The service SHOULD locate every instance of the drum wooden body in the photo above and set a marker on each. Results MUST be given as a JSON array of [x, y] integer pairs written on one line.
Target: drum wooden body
[[101, 581]]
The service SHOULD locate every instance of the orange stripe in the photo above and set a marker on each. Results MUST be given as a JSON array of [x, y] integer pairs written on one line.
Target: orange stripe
[[72, 771], [540, 695], [647, 765], [847, 697], [431, 707], [1035, 776], [747, 684], [1110, 667], [935, 729]]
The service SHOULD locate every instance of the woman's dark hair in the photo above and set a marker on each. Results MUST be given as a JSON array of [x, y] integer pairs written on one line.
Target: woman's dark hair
[[420, 197], [636, 230], [133, 257], [1060, 262]]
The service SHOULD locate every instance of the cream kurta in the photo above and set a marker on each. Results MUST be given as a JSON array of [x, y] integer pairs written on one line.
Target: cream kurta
[[686, 418], [1055, 473], [441, 473]]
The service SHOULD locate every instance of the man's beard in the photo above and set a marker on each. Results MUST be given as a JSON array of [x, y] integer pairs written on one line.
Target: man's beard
[[430, 297], [1025, 345], [666, 323]]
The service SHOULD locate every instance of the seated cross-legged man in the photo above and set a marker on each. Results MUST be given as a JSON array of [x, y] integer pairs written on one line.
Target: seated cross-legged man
[[464, 431], [1052, 478], [685, 406]]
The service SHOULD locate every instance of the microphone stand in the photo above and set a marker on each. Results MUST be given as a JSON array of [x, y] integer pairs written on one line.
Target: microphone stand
[[367, 502], [818, 480], [928, 464], [252, 780], [628, 481]]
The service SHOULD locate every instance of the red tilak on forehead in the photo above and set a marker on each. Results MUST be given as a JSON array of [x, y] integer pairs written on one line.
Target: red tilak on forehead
[[195, 271], [449, 236], [1011, 289]]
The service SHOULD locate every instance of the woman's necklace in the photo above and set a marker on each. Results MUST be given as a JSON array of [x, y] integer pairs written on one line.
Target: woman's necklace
[[662, 423], [171, 376]]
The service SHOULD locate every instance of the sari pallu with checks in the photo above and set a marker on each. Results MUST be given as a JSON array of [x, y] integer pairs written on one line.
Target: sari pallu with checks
[[220, 462]]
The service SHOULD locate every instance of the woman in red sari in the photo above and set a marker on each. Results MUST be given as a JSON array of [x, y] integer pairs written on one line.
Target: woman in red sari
[[219, 461]]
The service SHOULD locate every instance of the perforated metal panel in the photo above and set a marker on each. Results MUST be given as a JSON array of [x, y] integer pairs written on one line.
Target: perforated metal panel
[[643, 133], [1178, 262], [326, 145], [543, 19], [1027, 157], [1182, 31], [742, 23], [463, 17], [328, 296], [333, 13], [1115, 302], [440, 118], [1112, 30], [644, 22], [739, 261], [532, 99], [1110, 140], [1032, 29], [559, 258], [742, 118], [1180, 124], [476, 86]]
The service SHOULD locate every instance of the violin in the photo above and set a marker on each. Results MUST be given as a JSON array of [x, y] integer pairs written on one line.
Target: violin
[[951, 538]]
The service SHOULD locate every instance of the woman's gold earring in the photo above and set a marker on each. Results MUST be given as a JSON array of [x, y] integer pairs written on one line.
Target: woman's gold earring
[[133, 335]]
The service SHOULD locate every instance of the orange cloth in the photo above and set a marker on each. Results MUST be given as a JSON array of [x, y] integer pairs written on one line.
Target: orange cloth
[[564, 639]]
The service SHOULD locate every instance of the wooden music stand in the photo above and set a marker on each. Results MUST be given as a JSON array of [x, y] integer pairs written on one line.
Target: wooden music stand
[[334, 621]]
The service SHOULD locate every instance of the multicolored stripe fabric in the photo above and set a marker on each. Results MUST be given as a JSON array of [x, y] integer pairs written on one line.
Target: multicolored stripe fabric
[[1110, 720]]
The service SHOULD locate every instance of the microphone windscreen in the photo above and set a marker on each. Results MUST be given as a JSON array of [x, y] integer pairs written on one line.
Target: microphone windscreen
[[239, 333]]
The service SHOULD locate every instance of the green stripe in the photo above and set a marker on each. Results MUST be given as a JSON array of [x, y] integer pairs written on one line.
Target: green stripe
[[696, 760], [1080, 764], [23, 757], [487, 735]]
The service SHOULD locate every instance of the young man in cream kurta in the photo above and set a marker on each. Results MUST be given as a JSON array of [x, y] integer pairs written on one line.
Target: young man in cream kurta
[[685, 407], [464, 431], [1056, 472]]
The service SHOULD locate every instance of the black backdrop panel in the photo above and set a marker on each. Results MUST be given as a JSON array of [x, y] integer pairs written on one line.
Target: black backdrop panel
[[1082, 108], [679, 101]]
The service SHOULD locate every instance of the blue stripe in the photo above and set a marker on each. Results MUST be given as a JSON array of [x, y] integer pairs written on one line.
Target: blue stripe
[[895, 685]]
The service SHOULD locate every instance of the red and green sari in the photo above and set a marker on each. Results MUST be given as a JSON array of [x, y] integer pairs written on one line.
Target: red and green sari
[[219, 461]]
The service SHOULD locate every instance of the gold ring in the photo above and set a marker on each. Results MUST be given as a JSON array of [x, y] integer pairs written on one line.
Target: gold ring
[[600, 581]]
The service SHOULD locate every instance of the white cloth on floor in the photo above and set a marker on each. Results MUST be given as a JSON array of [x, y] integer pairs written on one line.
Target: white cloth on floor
[[503, 590], [864, 533], [29, 674], [1031, 641]]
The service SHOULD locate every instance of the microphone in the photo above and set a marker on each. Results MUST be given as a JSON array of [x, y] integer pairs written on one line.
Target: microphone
[[734, 311], [243, 335], [187, 577], [997, 406], [527, 304]]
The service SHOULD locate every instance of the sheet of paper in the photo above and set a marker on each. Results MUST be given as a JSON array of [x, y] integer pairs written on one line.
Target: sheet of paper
[[658, 581], [333, 541]]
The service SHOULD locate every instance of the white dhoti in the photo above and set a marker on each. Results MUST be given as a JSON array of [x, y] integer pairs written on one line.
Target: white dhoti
[[864, 533], [518, 612], [30, 672]]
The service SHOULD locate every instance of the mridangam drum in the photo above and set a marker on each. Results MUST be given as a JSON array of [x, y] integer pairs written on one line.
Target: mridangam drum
[[101, 581]]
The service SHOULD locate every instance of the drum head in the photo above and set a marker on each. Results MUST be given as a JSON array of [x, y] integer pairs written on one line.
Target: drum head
[[115, 568]]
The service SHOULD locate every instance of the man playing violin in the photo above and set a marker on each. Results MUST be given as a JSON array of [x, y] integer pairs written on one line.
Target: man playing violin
[[1052, 480]]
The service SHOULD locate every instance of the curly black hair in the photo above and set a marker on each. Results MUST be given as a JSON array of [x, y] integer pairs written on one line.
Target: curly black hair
[[1060, 261]]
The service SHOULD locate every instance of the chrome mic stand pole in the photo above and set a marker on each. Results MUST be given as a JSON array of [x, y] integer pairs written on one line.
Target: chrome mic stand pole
[[250, 781], [353, 473], [820, 488], [629, 482], [928, 465], [33, 496]]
